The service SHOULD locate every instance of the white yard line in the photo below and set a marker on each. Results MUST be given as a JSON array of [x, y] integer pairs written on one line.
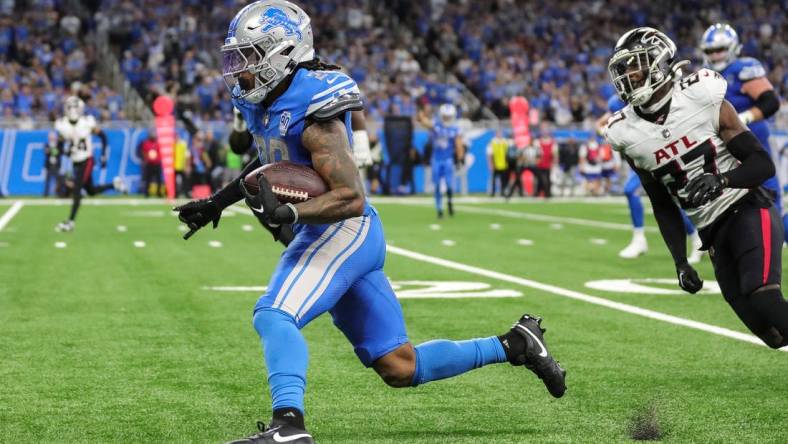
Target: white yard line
[[558, 291], [547, 218], [10, 213], [46, 202]]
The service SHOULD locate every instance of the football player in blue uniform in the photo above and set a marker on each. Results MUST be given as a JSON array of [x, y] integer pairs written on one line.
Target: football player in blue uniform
[[447, 149], [638, 245], [749, 91], [299, 109]]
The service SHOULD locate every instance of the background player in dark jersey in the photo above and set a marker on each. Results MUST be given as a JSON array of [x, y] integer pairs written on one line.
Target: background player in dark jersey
[[690, 149]]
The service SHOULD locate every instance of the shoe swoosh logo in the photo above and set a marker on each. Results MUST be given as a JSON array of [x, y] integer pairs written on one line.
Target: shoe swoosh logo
[[544, 350], [279, 438], [257, 210]]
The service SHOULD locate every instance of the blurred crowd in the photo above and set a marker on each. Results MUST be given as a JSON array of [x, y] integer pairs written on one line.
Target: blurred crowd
[[555, 53], [173, 47], [45, 56], [399, 51]]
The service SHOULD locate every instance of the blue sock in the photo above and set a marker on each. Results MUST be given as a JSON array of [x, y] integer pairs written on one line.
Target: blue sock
[[689, 227], [441, 359], [633, 199], [286, 357], [438, 196], [635, 210]]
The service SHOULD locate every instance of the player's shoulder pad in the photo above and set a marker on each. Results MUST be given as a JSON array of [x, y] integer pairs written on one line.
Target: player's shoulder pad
[[704, 87], [334, 94], [90, 120], [749, 69]]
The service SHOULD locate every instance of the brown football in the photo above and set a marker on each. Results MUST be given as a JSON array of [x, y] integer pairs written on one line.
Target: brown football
[[290, 181]]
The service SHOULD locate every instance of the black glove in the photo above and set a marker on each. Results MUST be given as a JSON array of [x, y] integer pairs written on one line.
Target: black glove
[[281, 233], [689, 280], [197, 214], [266, 206], [705, 188]]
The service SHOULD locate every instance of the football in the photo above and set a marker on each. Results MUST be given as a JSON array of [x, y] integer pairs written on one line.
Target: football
[[290, 181]]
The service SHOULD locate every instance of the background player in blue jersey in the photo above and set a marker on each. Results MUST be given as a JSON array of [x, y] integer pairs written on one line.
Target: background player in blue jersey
[[749, 91], [298, 109], [447, 148], [638, 245]]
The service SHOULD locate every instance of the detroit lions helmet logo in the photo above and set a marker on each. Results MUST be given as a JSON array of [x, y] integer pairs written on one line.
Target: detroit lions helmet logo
[[276, 18]]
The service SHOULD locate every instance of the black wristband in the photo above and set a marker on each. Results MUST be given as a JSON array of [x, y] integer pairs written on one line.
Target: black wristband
[[285, 214], [228, 195]]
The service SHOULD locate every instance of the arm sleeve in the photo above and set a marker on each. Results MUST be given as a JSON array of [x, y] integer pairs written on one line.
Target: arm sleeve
[[231, 193], [768, 103], [756, 165], [667, 214]]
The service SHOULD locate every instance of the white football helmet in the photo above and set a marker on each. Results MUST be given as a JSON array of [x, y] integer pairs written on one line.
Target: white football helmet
[[268, 39], [447, 113], [648, 52], [74, 108], [720, 46]]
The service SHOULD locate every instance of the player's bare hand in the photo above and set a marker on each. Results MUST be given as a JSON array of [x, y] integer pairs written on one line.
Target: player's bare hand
[[197, 214], [689, 280]]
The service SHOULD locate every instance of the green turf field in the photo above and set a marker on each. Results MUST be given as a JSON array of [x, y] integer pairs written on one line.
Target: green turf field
[[105, 341]]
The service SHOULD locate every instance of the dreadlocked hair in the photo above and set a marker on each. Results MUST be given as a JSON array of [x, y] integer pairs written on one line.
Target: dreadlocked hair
[[317, 65]]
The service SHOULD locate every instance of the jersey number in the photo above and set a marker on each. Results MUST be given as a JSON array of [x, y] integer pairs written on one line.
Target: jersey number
[[688, 81], [274, 150], [673, 169]]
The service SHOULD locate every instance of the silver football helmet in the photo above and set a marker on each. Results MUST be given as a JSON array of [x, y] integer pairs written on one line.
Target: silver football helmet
[[720, 46], [643, 61], [265, 42], [73, 108], [447, 113]]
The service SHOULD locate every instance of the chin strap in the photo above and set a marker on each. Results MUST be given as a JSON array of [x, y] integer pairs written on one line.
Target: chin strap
[[675, 73], [656, 106]]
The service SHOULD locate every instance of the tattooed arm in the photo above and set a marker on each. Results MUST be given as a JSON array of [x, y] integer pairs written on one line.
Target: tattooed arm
[[332, 158]]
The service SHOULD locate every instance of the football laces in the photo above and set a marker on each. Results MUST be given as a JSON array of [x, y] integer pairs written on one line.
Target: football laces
[[291, 193]]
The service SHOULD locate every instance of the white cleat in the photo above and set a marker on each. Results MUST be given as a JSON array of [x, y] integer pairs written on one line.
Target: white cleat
[[119, 185], [65, 226], [636, 248], [697, 253]]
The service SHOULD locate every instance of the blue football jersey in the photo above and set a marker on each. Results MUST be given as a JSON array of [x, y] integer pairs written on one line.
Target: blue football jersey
[[277, 129], [443, 140], [737, 74]]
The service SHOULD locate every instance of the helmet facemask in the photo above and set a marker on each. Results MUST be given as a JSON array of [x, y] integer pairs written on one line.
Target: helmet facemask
[[637, 74], [266, 65]]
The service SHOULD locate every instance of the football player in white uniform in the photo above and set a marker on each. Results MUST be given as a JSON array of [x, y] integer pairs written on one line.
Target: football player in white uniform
[[75, 131], [691, 151]]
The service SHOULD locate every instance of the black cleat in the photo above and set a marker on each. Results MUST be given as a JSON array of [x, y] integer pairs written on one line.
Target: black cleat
[[536, 357], [440, 214], [283, 433]]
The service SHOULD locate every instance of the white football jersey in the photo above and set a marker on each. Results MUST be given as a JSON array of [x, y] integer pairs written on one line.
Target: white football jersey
[[685, 146], [77, 136]]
